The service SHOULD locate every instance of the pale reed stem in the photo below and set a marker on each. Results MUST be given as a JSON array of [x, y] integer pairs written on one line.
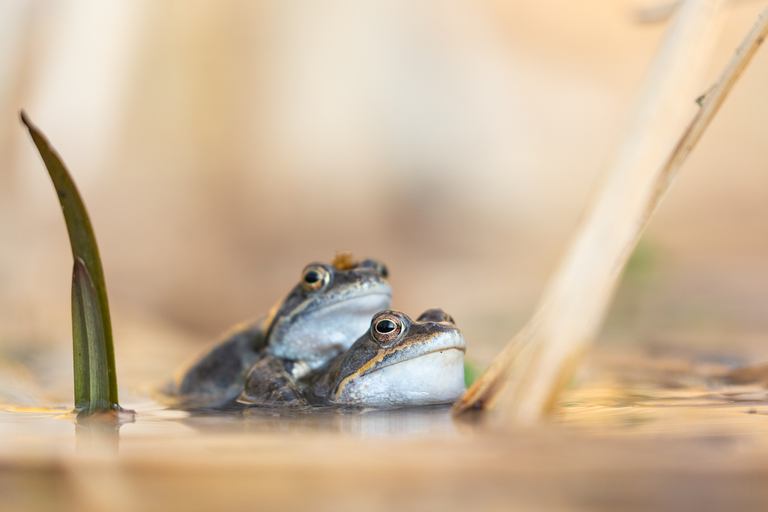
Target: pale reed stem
[[525, 379]]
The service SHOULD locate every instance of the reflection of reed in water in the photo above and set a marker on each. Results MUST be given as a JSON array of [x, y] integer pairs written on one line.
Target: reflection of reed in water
[[99, 433]]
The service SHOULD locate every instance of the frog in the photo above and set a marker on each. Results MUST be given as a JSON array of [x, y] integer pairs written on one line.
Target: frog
[[397, 363], [320, 317]]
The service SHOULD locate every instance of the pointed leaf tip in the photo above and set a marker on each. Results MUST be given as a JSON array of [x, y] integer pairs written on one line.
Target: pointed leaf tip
[[92, 329]]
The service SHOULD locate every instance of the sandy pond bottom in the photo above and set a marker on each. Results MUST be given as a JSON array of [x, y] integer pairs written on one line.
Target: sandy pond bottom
[[636, 433]]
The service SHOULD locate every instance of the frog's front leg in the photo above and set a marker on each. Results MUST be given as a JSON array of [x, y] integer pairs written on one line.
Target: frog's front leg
[[271, 382]]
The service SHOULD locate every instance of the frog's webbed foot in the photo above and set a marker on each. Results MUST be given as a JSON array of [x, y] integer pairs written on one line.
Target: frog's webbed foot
[[270, 382]]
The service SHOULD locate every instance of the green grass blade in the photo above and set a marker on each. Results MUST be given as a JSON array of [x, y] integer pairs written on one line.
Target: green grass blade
[[84, 249], [471, 373], [90, 357]]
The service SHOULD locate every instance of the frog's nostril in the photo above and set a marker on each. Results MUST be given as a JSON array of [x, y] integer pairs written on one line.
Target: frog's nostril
[[378, 266], [436, 315]]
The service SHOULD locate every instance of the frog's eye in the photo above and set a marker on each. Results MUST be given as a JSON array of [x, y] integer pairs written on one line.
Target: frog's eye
[[387, 327], [315, 277]]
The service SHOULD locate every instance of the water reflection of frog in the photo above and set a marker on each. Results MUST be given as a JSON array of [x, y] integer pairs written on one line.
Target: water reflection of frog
[[320, 318], [398, 362]]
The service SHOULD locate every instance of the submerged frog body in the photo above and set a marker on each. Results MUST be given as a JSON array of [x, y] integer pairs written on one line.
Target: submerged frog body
[[319, 319], [397, 363]]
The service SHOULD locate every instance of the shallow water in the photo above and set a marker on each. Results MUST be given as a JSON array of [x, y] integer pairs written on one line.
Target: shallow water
[[635, 432]]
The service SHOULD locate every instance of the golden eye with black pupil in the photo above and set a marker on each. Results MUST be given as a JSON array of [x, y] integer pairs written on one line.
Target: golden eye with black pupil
[[314, 278], [386, 328]]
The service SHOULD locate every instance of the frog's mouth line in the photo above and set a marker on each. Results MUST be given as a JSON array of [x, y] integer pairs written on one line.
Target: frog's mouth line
[[449, 340], [311, 307], [351, 298], [365, 305], [433, 376], [460, 348], [310, 334]]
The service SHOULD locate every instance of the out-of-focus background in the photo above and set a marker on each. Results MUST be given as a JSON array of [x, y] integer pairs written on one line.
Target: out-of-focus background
[[220, 146]]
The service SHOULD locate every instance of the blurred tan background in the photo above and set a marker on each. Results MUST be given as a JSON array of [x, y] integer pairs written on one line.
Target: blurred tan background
[[220, 146]]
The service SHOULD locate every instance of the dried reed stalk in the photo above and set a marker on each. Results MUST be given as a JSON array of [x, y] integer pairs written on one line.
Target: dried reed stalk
[[525, 379]]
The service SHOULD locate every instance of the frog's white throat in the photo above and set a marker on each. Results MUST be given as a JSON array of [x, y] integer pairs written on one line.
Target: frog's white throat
[[317, 336], [432, 378]]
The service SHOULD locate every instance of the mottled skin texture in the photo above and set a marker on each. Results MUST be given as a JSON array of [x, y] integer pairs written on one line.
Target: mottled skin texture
[[368, 354], [320, 318], [307, 327], [271, 381]]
